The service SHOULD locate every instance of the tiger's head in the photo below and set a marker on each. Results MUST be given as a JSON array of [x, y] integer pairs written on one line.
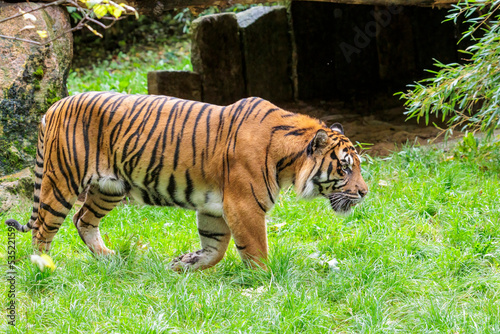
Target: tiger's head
[[332, 169]]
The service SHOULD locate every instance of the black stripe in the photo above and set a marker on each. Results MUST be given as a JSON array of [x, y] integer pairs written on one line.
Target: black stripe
[[256, 199], [51, 228], [101, 111], [171, 188], [49, 209], [153, 172], [86, 126], [145, 197], [188, 192], [267, 186], [101, 207], [172, 113], [111, 194], [281, 163], [85, 223], [175, 120], [202, 167], [282, 128], [94, 212], [207, 130], [111, 201], [268, 113], [59, 196], [212, 235], [330, 169], [193, 136], [67, 172], [176, 154], [236, 114], [298, 132]]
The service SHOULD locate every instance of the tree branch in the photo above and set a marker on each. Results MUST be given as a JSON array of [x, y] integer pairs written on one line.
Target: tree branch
[[82, 23], [21, 39]]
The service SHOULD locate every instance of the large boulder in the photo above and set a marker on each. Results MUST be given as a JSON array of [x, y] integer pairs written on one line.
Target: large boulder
[[32, 78], [16, 189], [267, 52], [216, 55]]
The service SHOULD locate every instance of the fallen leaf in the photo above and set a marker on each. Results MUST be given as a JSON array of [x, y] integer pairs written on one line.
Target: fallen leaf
[[42, 33], [30, 17], [27, 27]]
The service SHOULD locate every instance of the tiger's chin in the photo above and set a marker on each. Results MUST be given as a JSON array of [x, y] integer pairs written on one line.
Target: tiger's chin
[[343, 203]]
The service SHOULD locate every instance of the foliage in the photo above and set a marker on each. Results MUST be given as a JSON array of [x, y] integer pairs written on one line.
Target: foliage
[[465, 95], [126, 36], [420, 255], [479, 151], [87, 13]]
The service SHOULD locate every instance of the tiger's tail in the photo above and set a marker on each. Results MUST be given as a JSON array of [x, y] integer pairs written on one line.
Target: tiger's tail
[[38, 183]]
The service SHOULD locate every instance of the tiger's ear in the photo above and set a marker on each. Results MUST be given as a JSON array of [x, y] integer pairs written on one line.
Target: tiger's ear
[[337, 127], [318, 143]]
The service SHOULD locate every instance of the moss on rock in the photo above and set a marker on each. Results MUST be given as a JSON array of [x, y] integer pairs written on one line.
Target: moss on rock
[[33, 79]]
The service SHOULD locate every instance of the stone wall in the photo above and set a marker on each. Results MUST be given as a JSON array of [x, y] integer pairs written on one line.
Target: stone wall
[[267, 53], [32, 78]]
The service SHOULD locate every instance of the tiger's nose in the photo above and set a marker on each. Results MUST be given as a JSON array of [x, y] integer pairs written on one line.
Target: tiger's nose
[[362, 192]]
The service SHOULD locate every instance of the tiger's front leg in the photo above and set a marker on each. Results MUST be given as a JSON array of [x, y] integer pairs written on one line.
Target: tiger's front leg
[[246, 220], [214, 235]]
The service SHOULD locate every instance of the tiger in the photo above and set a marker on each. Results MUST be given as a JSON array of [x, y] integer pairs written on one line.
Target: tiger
[[228, 163]]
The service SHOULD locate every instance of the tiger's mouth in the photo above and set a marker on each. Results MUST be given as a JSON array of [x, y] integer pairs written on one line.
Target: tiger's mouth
[[343, 203]]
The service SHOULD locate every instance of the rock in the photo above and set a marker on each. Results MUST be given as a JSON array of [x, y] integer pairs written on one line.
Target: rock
[[181, 84], [16, 188], [32, 78], [216, 55], [267, 52]]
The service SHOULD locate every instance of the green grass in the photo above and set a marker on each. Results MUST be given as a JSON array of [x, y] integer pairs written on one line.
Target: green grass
[[127, 73], [420, 255]]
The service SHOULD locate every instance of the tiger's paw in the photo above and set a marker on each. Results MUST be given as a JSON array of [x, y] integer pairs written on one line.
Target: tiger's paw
[[198, 260]]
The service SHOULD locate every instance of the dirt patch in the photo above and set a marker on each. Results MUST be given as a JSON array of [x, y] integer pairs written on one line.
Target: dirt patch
[[380, 122]]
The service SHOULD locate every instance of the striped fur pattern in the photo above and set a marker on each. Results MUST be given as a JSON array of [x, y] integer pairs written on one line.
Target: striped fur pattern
[[226, 162]]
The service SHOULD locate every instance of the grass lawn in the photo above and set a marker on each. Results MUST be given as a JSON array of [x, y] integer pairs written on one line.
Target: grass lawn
[[420, 255]]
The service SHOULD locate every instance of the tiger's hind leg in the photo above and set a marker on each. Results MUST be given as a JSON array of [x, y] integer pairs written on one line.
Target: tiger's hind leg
[[97, 205], [55, 201], [214, 235]]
